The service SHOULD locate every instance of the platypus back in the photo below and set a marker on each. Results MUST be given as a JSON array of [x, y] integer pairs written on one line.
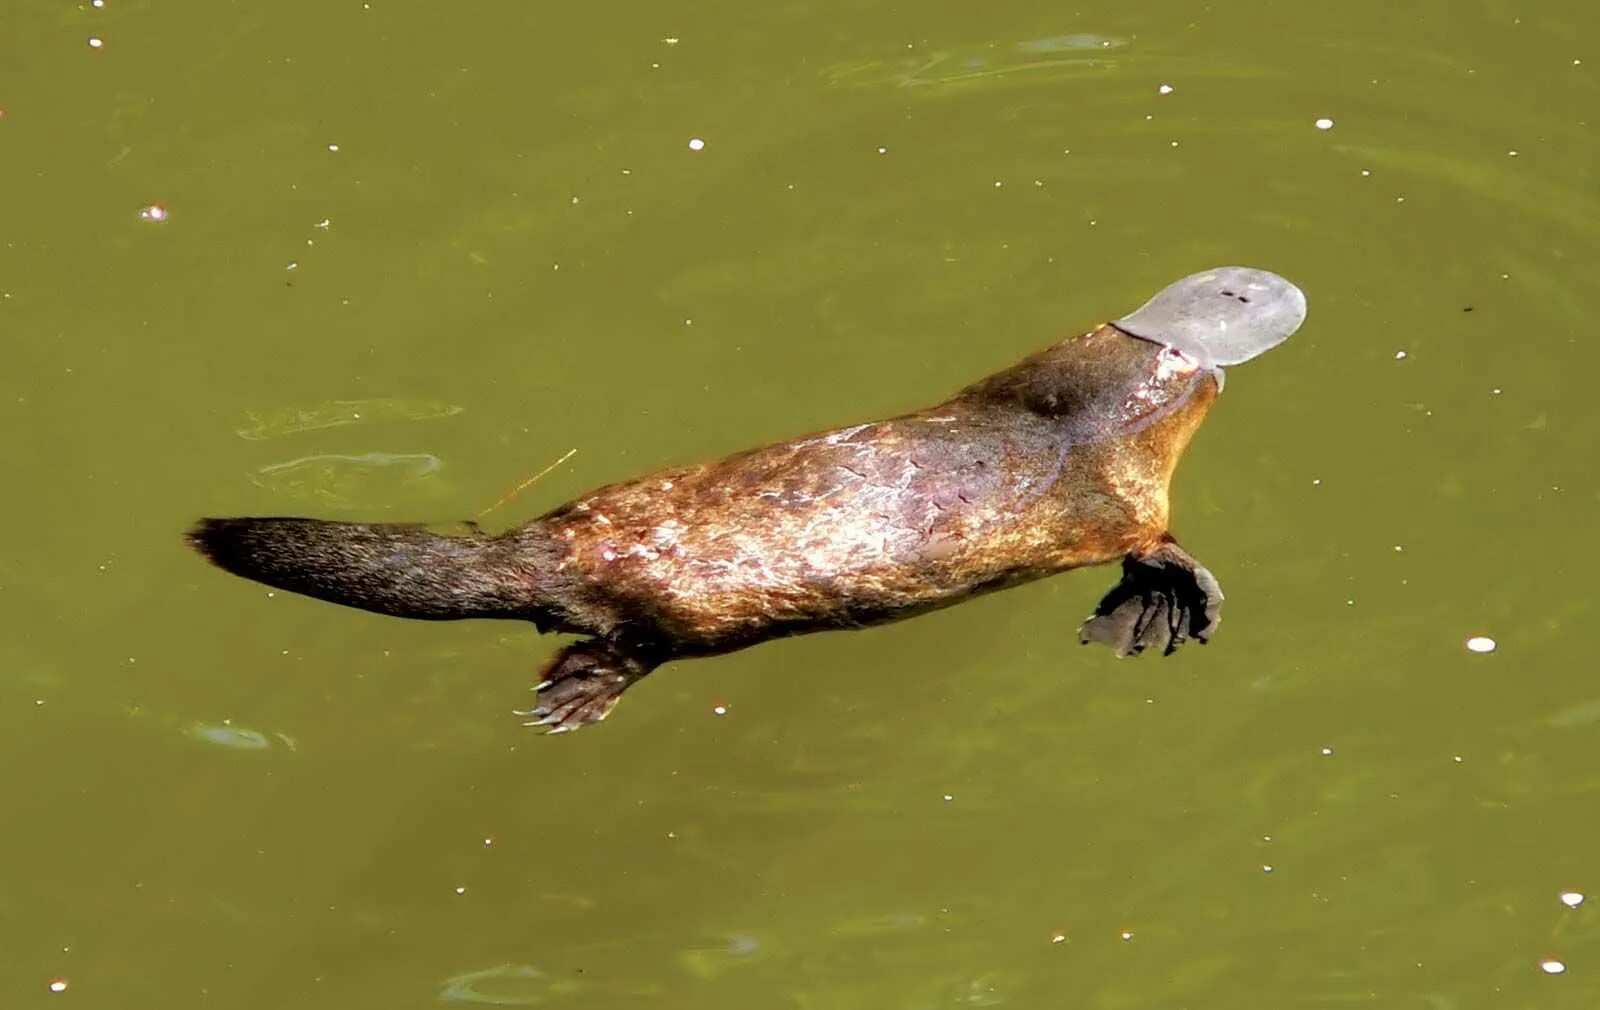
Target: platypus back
[[405, 570]]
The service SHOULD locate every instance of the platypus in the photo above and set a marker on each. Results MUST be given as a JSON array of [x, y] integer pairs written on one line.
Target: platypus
[[1062, 461]]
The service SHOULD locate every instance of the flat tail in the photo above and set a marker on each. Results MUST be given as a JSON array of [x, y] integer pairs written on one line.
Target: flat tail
[[401, 569]]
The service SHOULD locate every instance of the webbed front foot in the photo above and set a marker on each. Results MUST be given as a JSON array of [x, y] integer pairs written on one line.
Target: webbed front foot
[[582, 683], [1164, 599]]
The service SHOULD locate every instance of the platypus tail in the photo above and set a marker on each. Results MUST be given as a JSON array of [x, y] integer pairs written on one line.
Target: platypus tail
[[390, 568]]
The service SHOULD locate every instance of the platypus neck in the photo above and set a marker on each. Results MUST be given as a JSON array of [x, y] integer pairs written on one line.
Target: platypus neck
[[1102, 385]]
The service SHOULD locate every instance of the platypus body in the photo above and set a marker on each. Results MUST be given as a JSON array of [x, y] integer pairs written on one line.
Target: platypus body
[[1060, 462]]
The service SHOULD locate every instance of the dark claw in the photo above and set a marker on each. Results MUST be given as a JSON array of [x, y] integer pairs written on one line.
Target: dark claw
[[582, 683], [1164, 599]]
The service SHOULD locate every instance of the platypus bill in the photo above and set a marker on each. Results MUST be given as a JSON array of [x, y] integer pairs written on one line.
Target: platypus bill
[[1059, 462]]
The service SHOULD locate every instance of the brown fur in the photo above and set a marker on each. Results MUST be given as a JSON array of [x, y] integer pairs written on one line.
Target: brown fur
[[1059, 462]]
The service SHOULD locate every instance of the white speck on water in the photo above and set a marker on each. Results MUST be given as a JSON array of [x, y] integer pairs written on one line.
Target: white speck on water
[[1324, 123], [323, 224], [671, 40], [334, 148], [58, 985], [1399, 199], [1126, 934], [1398, 548], [1366, 171], [1457, 759], [720, 710], [96, 42], [688, 322], [1059, 938], [1174, 143], [292, 266], [1480, 643], [488, 842], [1265, 868], [1511, 154], [1550, 966], [1495, 390], [998, 184], [154, 213], [948, 797], [1327, 751], [1399, 355], [1572, 899], [1316, 482], [461, 890], [97, 3], [696, 144]]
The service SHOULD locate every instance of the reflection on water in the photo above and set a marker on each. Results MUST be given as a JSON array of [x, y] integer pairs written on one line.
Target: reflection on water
[[991, 61], [504, 985], [339, 413], [715, 959], [233, 737], [339, 481]]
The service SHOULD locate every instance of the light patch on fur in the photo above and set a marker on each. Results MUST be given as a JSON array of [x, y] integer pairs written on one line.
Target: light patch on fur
[[1172, 362]]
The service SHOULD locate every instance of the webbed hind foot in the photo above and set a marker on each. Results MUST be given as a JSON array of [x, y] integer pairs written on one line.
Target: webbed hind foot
[[582, 683], [1165, 598]]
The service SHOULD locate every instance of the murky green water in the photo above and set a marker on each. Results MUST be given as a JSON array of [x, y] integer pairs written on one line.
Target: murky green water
[[481, 228]]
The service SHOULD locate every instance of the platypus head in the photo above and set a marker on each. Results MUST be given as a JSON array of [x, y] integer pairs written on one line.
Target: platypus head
[[1220, 317]]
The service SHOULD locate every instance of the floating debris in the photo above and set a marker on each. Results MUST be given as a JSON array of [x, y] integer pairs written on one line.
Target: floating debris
[[1324, 124], [1481, 643], [1572, 899], [1550, 966]]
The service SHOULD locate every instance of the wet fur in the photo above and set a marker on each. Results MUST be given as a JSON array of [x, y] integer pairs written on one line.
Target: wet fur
[[1060, 462]]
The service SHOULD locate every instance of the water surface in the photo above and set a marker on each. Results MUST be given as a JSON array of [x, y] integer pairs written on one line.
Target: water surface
[[485, 231]]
